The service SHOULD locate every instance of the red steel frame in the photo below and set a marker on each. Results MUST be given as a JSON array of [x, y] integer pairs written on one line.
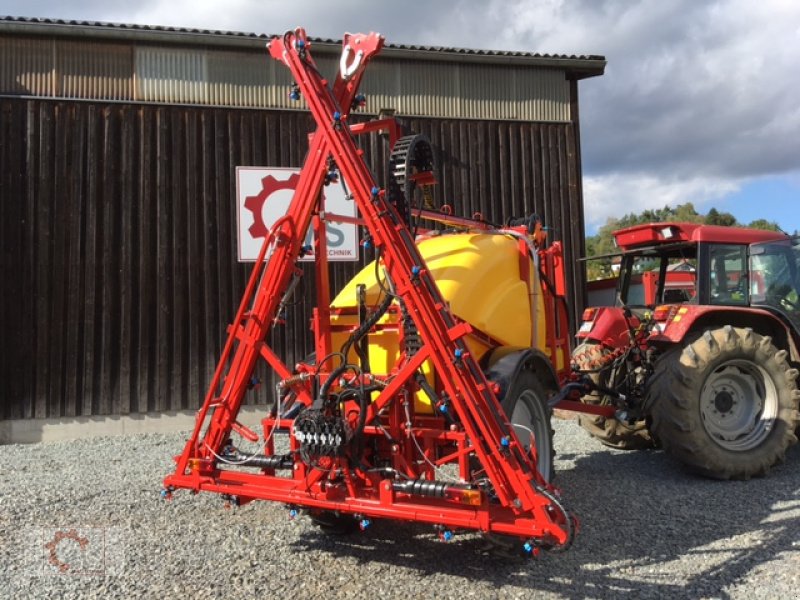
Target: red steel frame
[[521, 503]]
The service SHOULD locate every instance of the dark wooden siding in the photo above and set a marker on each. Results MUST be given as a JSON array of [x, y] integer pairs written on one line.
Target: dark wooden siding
[[119, 271]]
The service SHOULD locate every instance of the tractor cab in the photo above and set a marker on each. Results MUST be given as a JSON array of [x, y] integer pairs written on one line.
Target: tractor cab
[[663, 266]]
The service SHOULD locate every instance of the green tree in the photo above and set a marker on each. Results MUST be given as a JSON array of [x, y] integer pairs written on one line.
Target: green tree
[[764, 224], [687, 213], [714, 217], [601, 245]]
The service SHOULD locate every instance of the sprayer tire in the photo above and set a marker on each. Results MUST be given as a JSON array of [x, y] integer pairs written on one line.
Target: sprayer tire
[[525, 404], [331, 523]]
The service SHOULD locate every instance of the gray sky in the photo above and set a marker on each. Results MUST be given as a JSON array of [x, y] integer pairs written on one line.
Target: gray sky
[[700, 101]]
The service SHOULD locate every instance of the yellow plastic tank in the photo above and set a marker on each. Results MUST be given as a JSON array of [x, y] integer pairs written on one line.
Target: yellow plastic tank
[[480, 275]]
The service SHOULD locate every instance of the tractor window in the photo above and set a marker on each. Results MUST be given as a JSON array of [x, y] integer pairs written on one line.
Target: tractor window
[[660, 279], [643, 280], [775, 277], [679, 281], [728, 274]]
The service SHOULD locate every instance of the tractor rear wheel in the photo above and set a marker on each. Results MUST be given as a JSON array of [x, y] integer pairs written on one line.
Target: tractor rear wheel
[[728, 407], [609, 432]]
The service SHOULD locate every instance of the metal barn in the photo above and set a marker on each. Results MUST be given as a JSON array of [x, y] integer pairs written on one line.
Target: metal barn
[[118, 145]]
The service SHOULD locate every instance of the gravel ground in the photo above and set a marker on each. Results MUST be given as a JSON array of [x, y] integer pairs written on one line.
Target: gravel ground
[[649, 530]]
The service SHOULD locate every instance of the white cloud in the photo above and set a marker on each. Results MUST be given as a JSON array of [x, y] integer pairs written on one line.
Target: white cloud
[[615, 194], [691, 89]]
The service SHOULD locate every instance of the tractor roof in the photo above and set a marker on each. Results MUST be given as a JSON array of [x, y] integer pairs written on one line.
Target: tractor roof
[[654, 234]]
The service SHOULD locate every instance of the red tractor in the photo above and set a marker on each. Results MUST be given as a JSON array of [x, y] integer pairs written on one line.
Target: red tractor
[[708, 371]]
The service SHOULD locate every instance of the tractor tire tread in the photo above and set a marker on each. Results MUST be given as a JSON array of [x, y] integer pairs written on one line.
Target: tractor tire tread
[[674, 400]]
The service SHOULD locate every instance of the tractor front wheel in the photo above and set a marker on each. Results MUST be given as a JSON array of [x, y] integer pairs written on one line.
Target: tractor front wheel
[[728, 407]]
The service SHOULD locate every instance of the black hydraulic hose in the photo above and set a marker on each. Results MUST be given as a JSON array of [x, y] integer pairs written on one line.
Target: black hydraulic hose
[[368, 324], [363, 356], [362, 395], [412, 340], [551, 288], [336, 373], [356, 335], [426, 387], [530, 221]]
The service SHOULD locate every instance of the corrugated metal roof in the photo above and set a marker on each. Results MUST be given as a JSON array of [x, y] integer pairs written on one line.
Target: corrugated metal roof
[[588, 65], [36, 59]]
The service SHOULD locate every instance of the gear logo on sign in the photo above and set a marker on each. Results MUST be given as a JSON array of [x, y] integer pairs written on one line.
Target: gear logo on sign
[[264, 195], [255, 204]]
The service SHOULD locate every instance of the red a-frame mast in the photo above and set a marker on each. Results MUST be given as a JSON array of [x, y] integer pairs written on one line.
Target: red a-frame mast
[[516, 501]]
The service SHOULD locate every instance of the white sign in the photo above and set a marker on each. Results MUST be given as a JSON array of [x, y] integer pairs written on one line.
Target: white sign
[[263, 196]]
